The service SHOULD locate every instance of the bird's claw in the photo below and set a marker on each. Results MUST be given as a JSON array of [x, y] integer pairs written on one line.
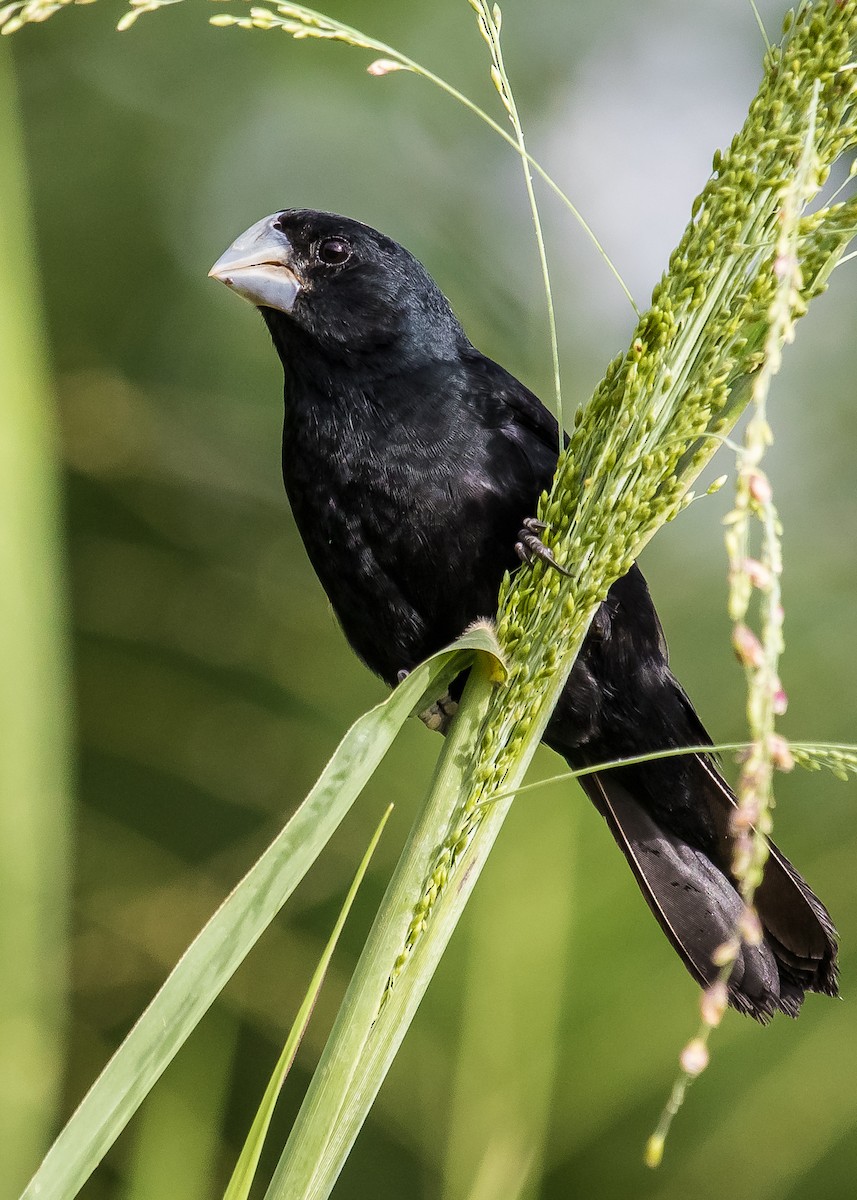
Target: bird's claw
[[529, 546], [438, 716]]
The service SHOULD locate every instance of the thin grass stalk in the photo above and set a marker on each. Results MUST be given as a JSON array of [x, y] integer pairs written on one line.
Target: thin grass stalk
[[490, 21], [839, 758], [304, 23]]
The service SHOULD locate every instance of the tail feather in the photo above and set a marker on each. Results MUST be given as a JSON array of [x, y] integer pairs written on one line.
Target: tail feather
[[698, 906], [672, 817], [796, 923]]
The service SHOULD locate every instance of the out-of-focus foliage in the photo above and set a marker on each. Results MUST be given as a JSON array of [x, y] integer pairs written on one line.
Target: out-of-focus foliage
[[212, 683], [34, 691]]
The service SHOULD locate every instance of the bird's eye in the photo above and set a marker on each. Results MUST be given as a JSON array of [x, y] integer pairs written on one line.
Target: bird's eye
[[333, 252]]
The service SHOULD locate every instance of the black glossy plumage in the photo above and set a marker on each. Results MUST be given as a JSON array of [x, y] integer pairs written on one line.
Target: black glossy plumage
[[410, 461]]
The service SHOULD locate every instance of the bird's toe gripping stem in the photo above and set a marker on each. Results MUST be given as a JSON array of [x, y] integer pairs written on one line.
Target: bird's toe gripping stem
[[438, 716], [530, 547]]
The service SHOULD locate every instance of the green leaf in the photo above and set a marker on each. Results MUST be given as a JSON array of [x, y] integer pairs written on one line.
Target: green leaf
[[178, 1134], [245, 1168], [221, 946], [383, 996]]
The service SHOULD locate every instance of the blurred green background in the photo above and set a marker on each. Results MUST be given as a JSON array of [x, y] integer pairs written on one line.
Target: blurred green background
[[207, 680]]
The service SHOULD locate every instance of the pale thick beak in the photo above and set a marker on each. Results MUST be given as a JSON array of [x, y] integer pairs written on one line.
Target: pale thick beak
[[258, 266]]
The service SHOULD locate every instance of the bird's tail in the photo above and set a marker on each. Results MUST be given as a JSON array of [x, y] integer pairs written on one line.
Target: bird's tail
[[698, 906]]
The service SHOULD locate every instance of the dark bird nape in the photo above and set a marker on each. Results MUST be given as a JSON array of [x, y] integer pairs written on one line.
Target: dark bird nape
[[411, 462]]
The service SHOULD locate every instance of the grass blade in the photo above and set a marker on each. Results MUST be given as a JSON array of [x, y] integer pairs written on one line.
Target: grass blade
[[380, 1004], [221, 946], [245, 1168], [178, 1135]]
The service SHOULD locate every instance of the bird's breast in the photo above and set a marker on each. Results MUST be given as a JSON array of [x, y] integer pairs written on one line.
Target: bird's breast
[[409, 541]]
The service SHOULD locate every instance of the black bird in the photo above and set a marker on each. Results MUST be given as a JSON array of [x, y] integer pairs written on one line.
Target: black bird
[[412, 462]]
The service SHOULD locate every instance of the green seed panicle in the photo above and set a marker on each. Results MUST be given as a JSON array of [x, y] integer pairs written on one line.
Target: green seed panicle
[[647, 432]]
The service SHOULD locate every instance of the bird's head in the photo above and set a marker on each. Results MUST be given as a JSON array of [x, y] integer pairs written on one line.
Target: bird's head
[[331, 287]]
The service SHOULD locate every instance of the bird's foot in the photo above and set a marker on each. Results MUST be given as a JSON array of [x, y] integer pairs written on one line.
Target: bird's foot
[[438, 716], [530, 547]]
